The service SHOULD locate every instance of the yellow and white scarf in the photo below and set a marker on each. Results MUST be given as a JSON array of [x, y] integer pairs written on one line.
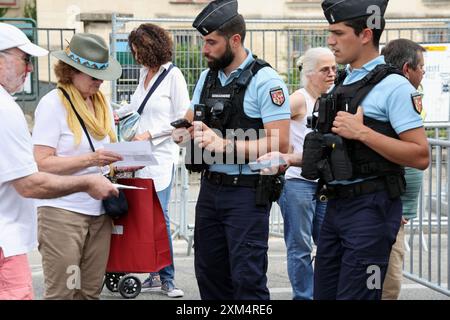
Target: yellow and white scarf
[[98, 125]]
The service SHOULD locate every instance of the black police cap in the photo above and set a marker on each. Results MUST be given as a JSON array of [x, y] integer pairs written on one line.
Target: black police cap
[[215, 15], [343, 10]]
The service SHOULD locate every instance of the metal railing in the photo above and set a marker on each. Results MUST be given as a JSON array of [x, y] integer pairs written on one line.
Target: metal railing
[[438, 130], [280, 42], [427, 237], [281, 46], [428, 258]]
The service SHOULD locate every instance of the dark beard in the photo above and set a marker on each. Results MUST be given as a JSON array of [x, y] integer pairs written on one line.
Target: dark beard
[[222, 62]]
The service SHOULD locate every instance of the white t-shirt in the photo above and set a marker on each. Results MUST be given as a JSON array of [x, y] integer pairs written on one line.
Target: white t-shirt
[[168, 103], [51, 129], [298, 131], [18, 228]]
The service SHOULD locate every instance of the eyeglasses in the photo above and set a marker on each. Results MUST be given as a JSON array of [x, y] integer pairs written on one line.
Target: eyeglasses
[[328, 70], [26, 58]]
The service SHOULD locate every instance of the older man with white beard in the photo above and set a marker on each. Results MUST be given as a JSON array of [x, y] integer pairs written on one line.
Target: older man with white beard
[[19, 176]]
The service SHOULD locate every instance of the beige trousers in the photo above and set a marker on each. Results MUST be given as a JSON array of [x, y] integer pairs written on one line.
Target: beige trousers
[[75, 250], [393, 280]]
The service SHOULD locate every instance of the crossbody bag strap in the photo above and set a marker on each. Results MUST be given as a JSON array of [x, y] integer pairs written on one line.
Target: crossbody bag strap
[[79, 118], [155, 85]]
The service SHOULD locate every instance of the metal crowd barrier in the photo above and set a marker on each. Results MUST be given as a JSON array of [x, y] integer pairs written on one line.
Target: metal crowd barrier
[[279, 42], [427, 261], [427, 257]]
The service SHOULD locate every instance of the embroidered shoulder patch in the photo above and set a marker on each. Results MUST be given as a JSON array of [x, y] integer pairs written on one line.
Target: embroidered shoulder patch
[[277, 96], [417, 102]]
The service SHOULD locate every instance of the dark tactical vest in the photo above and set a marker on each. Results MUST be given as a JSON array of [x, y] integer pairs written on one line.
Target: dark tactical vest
[[225, 107], [364, 162], [231, 97]]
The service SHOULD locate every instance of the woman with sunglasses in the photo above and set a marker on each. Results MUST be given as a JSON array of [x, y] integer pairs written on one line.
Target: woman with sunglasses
[[73, 231]]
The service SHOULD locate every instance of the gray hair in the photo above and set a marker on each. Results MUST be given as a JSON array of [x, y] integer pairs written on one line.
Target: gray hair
[[400, 51], [308, 62]]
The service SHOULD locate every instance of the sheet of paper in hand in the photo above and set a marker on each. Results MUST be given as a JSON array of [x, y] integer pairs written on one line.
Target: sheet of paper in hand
[[134, 153]]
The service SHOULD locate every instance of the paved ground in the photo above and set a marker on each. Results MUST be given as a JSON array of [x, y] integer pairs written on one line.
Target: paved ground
[[277, 275]]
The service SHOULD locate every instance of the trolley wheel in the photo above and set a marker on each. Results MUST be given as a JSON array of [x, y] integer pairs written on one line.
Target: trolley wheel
[[129, 287], [112, 281]]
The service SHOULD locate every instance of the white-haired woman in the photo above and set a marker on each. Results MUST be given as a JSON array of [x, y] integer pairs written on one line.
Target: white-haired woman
[[302, 214]]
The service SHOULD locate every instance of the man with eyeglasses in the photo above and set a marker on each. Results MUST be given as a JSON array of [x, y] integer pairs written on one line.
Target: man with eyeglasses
[[19, 176], [20, 65], [407, 56]]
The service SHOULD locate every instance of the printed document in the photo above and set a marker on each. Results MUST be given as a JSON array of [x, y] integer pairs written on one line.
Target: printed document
[[134, 153]]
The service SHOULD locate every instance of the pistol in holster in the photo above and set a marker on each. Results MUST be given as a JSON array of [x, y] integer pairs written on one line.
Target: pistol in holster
[[268, 189]]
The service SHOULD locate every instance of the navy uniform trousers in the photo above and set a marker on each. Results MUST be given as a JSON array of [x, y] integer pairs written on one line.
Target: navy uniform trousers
[[231, 242], [354, 246]]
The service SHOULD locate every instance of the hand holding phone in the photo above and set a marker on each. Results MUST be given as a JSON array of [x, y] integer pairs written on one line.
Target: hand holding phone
[[259, 165], [181, 123]]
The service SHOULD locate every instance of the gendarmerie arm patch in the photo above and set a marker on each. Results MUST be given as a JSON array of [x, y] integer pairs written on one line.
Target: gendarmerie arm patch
[[277, 96], [417, 102]]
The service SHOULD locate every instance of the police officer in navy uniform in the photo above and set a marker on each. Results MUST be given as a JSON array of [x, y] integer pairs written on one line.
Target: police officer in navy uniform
[[372, 129], [238, 96]]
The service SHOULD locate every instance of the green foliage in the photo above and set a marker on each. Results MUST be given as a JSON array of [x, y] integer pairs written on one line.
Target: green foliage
[[442, 134], [293, 79], [190, 61], [30, 10], [3, 11]]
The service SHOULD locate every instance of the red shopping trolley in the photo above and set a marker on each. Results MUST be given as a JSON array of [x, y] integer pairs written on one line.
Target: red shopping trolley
[[139, 243]]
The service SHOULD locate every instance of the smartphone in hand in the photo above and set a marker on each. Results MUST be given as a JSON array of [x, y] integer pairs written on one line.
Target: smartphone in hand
[[259, 165], [181, 123]]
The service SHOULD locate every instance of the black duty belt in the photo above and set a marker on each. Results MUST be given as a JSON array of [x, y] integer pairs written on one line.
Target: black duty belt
[[218, 178], [356, 189]]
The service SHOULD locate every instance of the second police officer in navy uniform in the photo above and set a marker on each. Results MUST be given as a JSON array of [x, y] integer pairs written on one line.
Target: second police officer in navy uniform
[[366, 129], [246, 102]]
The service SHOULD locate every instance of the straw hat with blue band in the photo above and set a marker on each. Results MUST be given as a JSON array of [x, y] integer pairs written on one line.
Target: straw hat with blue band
[[89, 54]]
